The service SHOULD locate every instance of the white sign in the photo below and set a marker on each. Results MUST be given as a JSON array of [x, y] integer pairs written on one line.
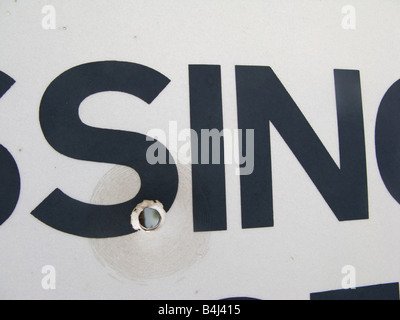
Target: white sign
[[267, 131]]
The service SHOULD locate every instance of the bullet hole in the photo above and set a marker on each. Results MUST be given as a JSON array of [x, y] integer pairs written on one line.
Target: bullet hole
[[149, 219], [148, 216]]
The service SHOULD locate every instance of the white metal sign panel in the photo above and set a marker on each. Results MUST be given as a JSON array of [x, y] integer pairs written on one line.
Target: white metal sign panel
[[267, 131]]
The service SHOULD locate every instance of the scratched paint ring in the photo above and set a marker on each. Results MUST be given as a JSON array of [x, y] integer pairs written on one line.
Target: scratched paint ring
[[143, 256]]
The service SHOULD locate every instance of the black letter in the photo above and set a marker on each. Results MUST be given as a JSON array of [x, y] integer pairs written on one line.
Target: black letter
[[263, 99], [209, 206], [388, 291], [387, 140], [65, 132], [9, 174]]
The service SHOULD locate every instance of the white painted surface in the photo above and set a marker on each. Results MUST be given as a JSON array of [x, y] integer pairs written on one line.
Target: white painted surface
[[303, 41]]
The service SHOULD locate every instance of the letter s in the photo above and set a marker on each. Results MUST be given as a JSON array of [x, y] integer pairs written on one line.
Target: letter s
[[63, 129], [9, 174]]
